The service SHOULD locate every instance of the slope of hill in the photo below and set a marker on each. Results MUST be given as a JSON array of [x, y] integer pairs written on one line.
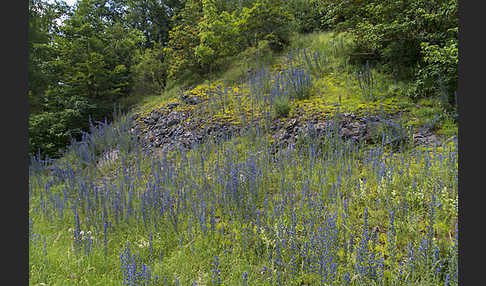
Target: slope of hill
[[303, 86], [303, 169]]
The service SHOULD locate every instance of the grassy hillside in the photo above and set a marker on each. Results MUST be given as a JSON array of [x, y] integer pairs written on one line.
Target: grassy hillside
[[248, 87], [323, 211]]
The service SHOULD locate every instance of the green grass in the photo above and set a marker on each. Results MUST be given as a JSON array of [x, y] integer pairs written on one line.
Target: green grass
[[285, 182], [192, 258], [335, 83]]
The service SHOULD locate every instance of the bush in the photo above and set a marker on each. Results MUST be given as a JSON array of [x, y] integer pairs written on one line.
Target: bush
[[183, 39], [204, 35], [50, 132], [150, 73], [438, 72], [281, 107], [307, 15], [217, 34], [265, 20]]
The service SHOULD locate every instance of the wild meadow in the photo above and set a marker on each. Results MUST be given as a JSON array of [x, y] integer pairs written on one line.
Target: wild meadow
[[240, 211], [250, 142], [236, 213]]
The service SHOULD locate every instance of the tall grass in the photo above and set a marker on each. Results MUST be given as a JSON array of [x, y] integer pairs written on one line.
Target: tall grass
[[318, 214], [323, 211]]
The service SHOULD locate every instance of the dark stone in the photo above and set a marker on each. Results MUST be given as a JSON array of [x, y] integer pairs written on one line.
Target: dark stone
[[284, 136], [347, 132], [149, 121], [173, 121], [172, 105], [193, 100]]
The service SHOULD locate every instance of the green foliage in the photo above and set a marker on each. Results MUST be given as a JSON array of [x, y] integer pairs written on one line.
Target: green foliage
[[438, 72], [306, 13], [414, 40], [183, 39], [218, 35], [51, 130], [42, 30], [150, 72], [206, 34], [402, 32], [281, 107], [90, 68], [341, 14], [266, 20], [152, 18], [448, 127]]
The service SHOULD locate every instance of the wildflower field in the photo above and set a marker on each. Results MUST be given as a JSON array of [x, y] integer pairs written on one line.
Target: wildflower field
[[238, 211]]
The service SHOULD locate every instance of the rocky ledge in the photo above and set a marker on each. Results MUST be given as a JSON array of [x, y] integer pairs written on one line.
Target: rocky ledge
[[170, 128]]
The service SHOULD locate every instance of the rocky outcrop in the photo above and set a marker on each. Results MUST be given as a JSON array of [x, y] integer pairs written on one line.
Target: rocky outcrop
[[170, 128], [349, 127], [167, 129]]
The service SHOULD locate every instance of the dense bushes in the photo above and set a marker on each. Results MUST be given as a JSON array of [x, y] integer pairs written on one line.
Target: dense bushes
[[439, 70], [183, 38], [204, 34], [266, 20], [414, 40], [89, 67], [218, 35], [150, 72], [307, 15]]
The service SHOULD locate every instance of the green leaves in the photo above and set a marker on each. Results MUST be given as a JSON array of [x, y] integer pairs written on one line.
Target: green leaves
[[264, 18], [79, 71], [306, 13], [414, 40], [207, 32], [438, 72], [217, 34], [152, 18], [183, 38], [150, 73]]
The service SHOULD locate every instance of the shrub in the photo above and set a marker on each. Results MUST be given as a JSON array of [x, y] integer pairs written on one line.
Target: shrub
[[438, 72], [150, 72], [306, 13], [281, 107], [411, 39], [51, 131], [268, 20], [218, 35], [183, 39]]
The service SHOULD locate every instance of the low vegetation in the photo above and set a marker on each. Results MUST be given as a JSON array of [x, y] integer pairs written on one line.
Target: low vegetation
[[106, 210]]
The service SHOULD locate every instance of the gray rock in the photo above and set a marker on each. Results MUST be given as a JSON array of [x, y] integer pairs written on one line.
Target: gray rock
[[173, 105], [173, 121], [193, 100], [188, 98], [347, 132], [284, 136]]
